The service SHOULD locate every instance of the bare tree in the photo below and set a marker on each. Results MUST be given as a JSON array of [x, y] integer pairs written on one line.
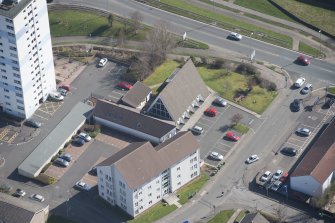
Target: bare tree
[[280, 213], [236, 118], [121, 37], [110, 20], [135, 21]]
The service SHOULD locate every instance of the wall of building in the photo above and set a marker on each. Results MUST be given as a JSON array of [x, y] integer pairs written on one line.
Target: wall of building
[[307, 185]]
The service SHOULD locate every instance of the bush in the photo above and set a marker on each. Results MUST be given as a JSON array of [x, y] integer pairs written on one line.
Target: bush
[[218, 63], [246, 69]]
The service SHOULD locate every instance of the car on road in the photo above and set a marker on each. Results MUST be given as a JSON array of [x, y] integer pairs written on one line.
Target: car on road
[[276, 185], [66, 156], [303, 131], [232, 136], [216, 156], [288, 151], [85, 136], [19, 193], [61, 162], [33, 123], [212, 112], [252, 159], [103, 62], [219, 101], [56, 96], [295, 105], [62, 91], [277, 174], [197, 130], [82, 185], [266, 176], [78, 142], [307, 89], [329, 103], [299, 82], [235, 36], [123, 85], [37, 197], [302, 59]]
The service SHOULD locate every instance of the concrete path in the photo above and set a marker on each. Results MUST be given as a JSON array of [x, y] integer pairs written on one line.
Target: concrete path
[[234, 216]]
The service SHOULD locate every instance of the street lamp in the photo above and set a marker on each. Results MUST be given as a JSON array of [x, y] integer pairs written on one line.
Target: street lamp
[[320, 43]]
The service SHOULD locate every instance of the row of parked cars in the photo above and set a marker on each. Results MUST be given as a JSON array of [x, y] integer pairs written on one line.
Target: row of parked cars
[[274, 181]]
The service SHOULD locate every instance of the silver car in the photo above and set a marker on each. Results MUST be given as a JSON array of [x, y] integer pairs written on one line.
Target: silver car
[[61, 162], [197, 130], [303, 131], [306, 89], [33, 123], [37, 197], [220, 101]]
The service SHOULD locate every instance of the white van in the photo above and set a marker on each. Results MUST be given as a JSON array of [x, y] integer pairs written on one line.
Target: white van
[[103, 62]]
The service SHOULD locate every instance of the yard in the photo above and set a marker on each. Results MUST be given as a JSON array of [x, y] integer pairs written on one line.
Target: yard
[[153, 214], [161, 73], [189, 190], [222, 217]]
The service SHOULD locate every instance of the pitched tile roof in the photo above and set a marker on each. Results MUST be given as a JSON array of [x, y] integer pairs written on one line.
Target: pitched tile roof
[[136, 95], [131, 118], [140, 162], [319, 162], [254, 218], [180, 92]]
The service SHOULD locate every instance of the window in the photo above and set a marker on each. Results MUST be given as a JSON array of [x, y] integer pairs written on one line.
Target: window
[[3, 77], [6, 90], [9, 20], [158, 196], [12, 48], [179, 183], [150, 202], [18, 88], [18, 95], [178, 176], [178, 168], [16, 75], [10, 27], [17, 82], [6, 96], [7, 103], [19, 101], [20, 107]]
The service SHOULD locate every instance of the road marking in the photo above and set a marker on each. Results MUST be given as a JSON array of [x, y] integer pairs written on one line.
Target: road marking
[[224, 144], [293, 144], [202, 124], [41, 117], [309, 126], [297, 139]]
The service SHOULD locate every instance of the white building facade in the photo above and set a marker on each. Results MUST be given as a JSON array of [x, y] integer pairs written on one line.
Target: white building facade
[[27, 73]]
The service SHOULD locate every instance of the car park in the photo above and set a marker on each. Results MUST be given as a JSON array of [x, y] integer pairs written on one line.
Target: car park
[[33, 123], [85, 136], [61, 162], [65, 87], [123, 85], [197, 130], [78, 142], [219, 101], [288, 151], [302, 59], [276, 185], [19, 193], [232, 136], [56, 96], [216, 156], [62, 91], [103, 62], [299, 82], [295, 105], [235, 36], [37, 197], [82, 185], [329, 102], [303, 131], [277, 174], [67, 157], [212, 112], [252, 159], [307, 89], [266, 176]]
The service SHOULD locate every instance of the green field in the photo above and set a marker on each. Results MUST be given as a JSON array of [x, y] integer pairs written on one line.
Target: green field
[[309, 50], [222, 217], [190, 189], [153, 214], [161, 73]]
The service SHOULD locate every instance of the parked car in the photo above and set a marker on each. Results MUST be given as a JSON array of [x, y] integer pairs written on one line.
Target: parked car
[[276, 185], [61, 162], [33, 123], [283, 177], [56, 96], [216, 156], [212, 112], [307, 89], [235, 36], [232, 136], [329, 103], [19, 193], [197, 130], [94, 171], [219, 101], [303, 131], [78, 141], [103, 62], [289, 151], [302, 59], [66, 156], [266, 176], [295, 105], [85, 136], [62, 91], [65, 87], [277, 174], [123, 85], [82, 185], [252, 159], [299, 82], [37, 197]]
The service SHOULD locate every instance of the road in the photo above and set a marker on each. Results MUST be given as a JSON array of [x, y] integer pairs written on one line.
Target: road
[[215, 37]]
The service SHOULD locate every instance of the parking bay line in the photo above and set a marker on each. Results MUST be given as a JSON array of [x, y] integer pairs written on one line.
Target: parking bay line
[[297, 140], [293, 144]]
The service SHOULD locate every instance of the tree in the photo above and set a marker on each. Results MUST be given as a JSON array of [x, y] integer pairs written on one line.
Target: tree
[[110, 20], [135, 21], [236, 118], [121, 37]]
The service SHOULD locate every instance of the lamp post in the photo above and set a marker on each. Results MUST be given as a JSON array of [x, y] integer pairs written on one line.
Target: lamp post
[[320, 43]]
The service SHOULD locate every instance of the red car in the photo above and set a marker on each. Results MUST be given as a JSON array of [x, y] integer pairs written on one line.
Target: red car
[[211, 112], [65, 87], [304, 60], [124, 85], [232, 136], [283, 177]]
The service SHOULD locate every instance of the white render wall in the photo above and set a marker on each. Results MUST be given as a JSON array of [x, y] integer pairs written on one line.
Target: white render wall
[[307, 185], [27, 69]]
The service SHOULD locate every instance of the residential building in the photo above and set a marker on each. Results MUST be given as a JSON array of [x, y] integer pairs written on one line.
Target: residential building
[[315, 172], [132, 122], [254, 218], [137, 96], [14, 210], [27, 74], [140, 175], [183, 93]]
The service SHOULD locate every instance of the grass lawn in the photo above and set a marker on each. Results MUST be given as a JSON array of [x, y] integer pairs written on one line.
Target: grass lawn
[[226, 85], [331, 90], [263, 6], [58, 219], [308, 49], [222, 217], [241, 215], [154, 213], [323, 18], [161, 73], [241, 128], [191, 188]]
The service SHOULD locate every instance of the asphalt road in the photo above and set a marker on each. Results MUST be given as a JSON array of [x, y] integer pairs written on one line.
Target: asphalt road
[[215, 37]]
